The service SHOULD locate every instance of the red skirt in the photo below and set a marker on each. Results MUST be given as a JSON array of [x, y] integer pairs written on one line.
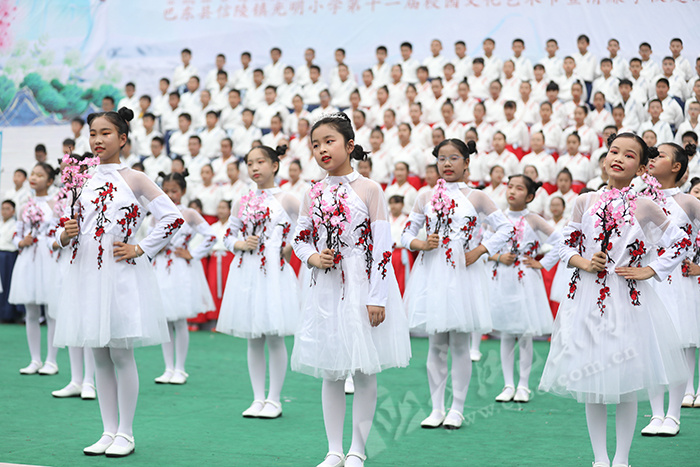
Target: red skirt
[[402, 262], [548, 277]]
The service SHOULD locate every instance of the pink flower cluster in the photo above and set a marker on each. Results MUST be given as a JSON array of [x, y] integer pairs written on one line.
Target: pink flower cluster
[[74, 176], [33, 215], [615, 215], [654, 191], [253, 209], [443, 206]]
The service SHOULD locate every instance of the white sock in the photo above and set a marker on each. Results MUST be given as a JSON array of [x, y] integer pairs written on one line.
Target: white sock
[[438, 344], [277, 350], [75, 354], [690, 358], [364, 404], [461, 369], [475, 340], [625, 422], [169, 348], [51, 351], [106, 380], [257, 367], [596, 419], [525, 347], [89, 376], [333, 401], [182, 343], [508, 358], [127, 390], [33, 331]]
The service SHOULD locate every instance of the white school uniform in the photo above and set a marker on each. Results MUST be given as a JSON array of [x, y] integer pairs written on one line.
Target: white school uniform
[[182, 74], [578, 165], [479, 86], [153, 165], [661, 128], [130, 103], [234, 192], [435, 65], [497, 194], [255, 96], [565, 83], [287, 91], [506, 159], [523, 68], [179, 142], [650, 69], [464, 109], [493, 67], [455, 129], [340, 92], [210, 196], [569, 200], [382, 168], [141, 141], [231, 117], [312, 92], [511, 88], [298, 189], [382, 74], [589, 139], [220, 167], [678, 87], [368, 95], [241, 79], [421, 135], [274, 73], [539, 90], [265, 112], [169, 118], [685, 127], [410, 154], [634, 114], [552, 135], [19, 197], [291, 123], [599, 120], [463, 67], [406, 190], [586, 65], [243, 139], [527, 112], [516, 133], [211, 141], [553, 67], [621, 68], [409, 67], [494, 110], [610, 87], [544, 163]]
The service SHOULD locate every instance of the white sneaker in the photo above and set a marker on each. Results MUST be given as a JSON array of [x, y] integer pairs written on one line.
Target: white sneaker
[[506, 395], [165, 377], [72, 390], [475, 355], [453, 421], [652, 429], [349, 385], [179, 377], [434, 420], [88, 392], [522, 395], [31, 369], [254, 409], [48, 369]]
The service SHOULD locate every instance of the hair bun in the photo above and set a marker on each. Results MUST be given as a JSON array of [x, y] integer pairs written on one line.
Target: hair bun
[[185, 173], [690, 149], [471, 147], [126, 113], [358, 153], [281, 150], [611, 138], [653, 152], [162, 174]]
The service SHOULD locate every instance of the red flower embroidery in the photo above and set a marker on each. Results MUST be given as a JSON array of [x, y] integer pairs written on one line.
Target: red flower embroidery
[[386, 257], [366, 241], [171, 228]]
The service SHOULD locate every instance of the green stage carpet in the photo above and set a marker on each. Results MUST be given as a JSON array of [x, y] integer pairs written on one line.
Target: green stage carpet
[[200, 423]]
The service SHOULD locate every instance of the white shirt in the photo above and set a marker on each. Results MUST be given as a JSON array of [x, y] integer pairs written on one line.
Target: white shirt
[[565, 84], [621, 68], [527, 112], [435, 66], [672, 113], [684, 128], [494, 109], [409, 67], [493, 67], [397, 94], [183, 74], [219, 97], [498, 195], [677, 86], [272, 140], [422, 135], [368, 95], [319, 112], [485, 132], [634, 114], [241, 79], [274, 73], [312, 91], [599, 120], [586, 65], [407, 191], [19, 197], [210, 196], [255, 96], [516, 133], [589, 139], [160, 104], [234, 192], [300, 148], [243, 139], [544, 163], [511, 88], [523, 68], [610, 87], [506, 159], [375, 114], [265, 112], [640, 89], [569, 201], [153, 165], [211, 141], [553, 67], [130, 103], [168, 120], [432, 108], [578, 165], [7, 231], [479, 86], [210, 82], [179, 142], [463, 67], [287, 91], [382, 168], [190, 101], [297, 189], [661, 128], [231, 117], [291, 124], [650, 69], [194, 167], [464, 110], [220, 167], [382, 73], [410, 154], [552, 135], [340, 92]]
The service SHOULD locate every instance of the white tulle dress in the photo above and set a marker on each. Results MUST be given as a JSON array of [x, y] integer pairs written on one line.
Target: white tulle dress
[[31, 276], [60, 259], [262, 292], [105, 303], [614, 340], [183, 286], [519, 303], [443, 294], [680, 292], [335, 338]]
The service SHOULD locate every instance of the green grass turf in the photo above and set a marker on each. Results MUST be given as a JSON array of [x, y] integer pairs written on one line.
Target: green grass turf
[[200, 423]]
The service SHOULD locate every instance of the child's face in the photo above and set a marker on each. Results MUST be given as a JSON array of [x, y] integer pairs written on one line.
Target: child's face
[[395, 207], [552, 96], [649, 137], [232, 172], [314, 75], [645, 52], [260, 168], [509, 113], [622, 161], [173, 190], [422, 75], [497, 174], [205, 98], [75, 127], [663, 164], [367, 78], [294, 172], [495, 90], [207, 174], [156, 148], [411, 94], [382, 96], [518, 48], [415, 114], [247, 118], [144, 104], [437, 137], [531, 172], [694, 110], [655, 109], [376, 140], [276, 125], [257, 78], [695, 191], [676, 48], [234, 99], [186, 57], [668, 67], [245, 61], [339, 56], [223, 212], [436, 86], [479, 112], [572, 145], [551, 48], [389, 119], [174, 101], [696, 87], [329, 148], [625, 90], [105, 141], [381, 56], [463, 91], [618, 114], [516, 193], [406, 52], [539, 74], [129, 90], [358, 119], [364, 169], [569, 66], [275, 55], [431, 176], [582, 45], [606, 68], [163, 86], [270, 96], [508, 69], [211, 120], [599, 102], [7, 211], [635, 69], [564, 183], [447, 113], [499, 143], [525, 90], [435, 47], [400, 173], [177, 167], [221, 80], [183, 124], [545, 113], [18, 178], [460, 50], [557, 207], [343, 73], [288, 75], [477, 68], [449, 71], [613, 48], [579, 116], [226, 147], [576, 92], [194, 147], [303, 128], [404, 134], [192, 84], [488, 47], [537, 143]]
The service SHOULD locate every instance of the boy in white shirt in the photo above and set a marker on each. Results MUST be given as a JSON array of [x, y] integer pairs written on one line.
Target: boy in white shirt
[[672, 112], [541, 159], [606, 83], [158, 161], [179, 140], [464, 105], [302, 72], [160, 103], [130, 101], [661, 127], [523, 66], [682, 64], [145, 134], [212, 136], [219, 165], [211, 80], [539, 84], [340, 58], [267, 110], [169, 118], [255, 95], [21, 192], [494, 104], [677, 85], [290, 88], [8, 255], [634, 110], [275, 137], [244, 135], [479, 82], [397, 87], [567, 79], [243, 77], [381, 70], [313, 89], [515, 131], [433, 106], [586, 62], [231, 115], [649, 68], [324, 107], [510, 83], [219, 92], [199, 113], [620, 67], [342, 87], [551, 63], [691, 124], [527, 108], [368, 90], [421, 133], [274, 72], [82, 144], [492, 64], [184, 71], [435, 62], [463, 62], [190, 100], [549, 127], [409, 65]]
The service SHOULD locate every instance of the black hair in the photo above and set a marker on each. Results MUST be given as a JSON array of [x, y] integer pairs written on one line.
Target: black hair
[[509, 105], [668, 57], [422, 68], [78, 120], [635, 60], [382, 48], [341, 50], [369, 161], [138, 166], [186, 51], [197, 202], [432, 166], [662, 81], [180, 160], [584, 107], [624, 81], [647, 152], [221, 73], [130, 84], [585, 38], [290, 68], [10, 202], [221, 55], [297, 163], [119, 119], [227, 201], [186, 116], [538, 65], [166, 80], [195, 77], [174, 94], [552, 40], [40, 147], [158, 139], [552, 86], [575, 133], [690, 134], [396, 199], [315, 67], [645, 44], [566, 172], [465, 149], [276, 49], [406, 44], [175, 177], [682, 155], [563, 201], [341, 123], [272, 154], [408, 168], [22, 171], [478, 60], [51, 173], [197, 138], [530, 185], [606, 60], [69, 142], [274, 88], [517, 39], [246, 54], [214, 113], [695, 181]]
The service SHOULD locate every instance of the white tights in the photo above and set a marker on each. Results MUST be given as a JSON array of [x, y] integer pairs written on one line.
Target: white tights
[[508, 359], [80, 357], [625, 421], [363, 407], [475, 341], [690, 356], [438, 345], [117, 388], [257, 366], [34, 334], [178, 345]]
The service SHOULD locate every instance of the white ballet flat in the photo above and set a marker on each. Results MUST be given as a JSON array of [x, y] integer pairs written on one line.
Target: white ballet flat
[[349, 386], [668, 431], [475, 355], [98, 449], [362, 457], [621, 465], [31, 369], [339, 455], [688, 400], [453, 421], [434, 420], [522, 395], [88, 392], [48, 369], [271, 409], [121, 451], [165, 377], [179, 377], [601, 464], [253, 411], [652, 430], [72, 390], [507, 394], [696, 404]]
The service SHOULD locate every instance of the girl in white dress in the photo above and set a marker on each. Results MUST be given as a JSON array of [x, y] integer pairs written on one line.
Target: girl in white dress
[[183, 287], [31, 277], [261, 301], [613, 338], [353, 322], [519, 305], [110, 300], [447, 295], [680, 291]]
